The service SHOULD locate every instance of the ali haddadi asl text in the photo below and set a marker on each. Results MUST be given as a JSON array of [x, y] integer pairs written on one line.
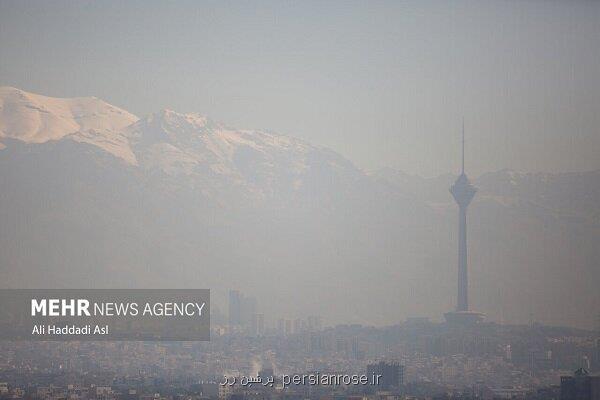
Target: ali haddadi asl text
[[69, 330]]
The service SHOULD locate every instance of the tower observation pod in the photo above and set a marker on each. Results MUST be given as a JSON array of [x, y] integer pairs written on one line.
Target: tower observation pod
[[463, 192]]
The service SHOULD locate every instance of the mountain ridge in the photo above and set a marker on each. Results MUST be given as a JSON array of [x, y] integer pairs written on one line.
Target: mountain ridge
[[179, 200], [168, 140], [124, 122]]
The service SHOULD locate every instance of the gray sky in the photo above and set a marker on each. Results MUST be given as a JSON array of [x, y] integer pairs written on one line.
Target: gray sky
[[384, 83]]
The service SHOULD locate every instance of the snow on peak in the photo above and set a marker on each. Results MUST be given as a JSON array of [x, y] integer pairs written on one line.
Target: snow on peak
[[175, 118], [167, 141], [177, 143], [33, 118], [167, 126]]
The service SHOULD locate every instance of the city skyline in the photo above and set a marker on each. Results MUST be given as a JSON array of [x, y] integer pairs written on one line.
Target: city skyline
[[266, 200]]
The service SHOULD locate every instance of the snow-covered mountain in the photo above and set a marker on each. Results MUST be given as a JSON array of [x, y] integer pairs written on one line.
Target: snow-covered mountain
[[260, 162], [91, 195], [32, 118], [170, 143]]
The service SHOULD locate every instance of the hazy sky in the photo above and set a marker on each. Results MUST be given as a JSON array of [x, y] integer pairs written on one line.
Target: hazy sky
[[384, 83]]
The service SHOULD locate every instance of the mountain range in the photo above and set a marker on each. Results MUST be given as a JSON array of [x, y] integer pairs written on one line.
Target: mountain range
[[93, 196]]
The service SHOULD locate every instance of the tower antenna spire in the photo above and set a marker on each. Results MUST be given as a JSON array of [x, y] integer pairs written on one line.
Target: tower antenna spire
[[463, 146], [463, 192]]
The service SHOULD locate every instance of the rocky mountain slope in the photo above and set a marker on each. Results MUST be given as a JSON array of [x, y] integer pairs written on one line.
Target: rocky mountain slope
[[92, 196]]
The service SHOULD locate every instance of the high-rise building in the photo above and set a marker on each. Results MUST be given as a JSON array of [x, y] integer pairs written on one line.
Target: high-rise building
[[463, 192], [235, 308], [580, 386], [358, 350], [298, 325], [288, 327], [258, 325], [242, 311], [597, 356], [392, 374], [249, 307], [314, 323]]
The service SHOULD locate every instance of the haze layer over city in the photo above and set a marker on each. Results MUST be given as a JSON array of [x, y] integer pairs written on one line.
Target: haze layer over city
[[305, 158]]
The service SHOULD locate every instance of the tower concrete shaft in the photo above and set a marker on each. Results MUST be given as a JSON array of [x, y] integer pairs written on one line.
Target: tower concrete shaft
[[462, 303], [463, 192]]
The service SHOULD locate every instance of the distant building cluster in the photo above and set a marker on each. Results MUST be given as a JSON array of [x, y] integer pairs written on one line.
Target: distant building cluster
[[244, 318], [415, 360]]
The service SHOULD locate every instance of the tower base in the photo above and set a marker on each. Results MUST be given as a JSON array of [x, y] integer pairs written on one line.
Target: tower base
[[464, 317]]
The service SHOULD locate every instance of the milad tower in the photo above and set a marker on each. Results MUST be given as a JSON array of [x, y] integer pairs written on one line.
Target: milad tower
[[463, 192]]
